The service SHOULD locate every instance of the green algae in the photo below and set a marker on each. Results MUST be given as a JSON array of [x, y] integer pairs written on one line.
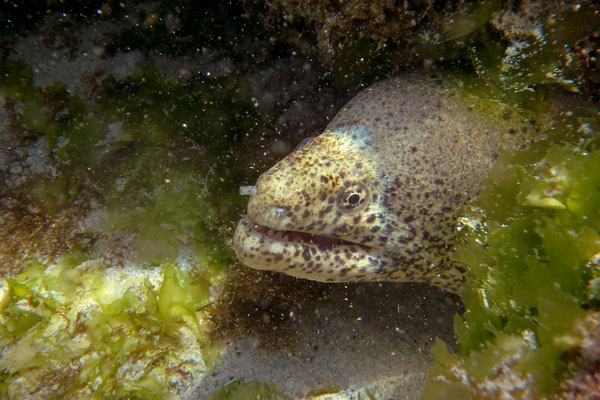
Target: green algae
[[155, 154], [328, 389], [510, 51], [530, 242], [68, 331], [464, 23], [529, 260]]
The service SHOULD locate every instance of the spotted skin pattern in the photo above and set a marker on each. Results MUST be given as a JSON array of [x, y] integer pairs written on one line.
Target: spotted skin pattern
[[375, 196]]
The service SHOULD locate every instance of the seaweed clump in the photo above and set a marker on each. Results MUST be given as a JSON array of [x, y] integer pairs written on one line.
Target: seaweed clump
[[518, 47], [68, 331], [584, 376], [529, 246]]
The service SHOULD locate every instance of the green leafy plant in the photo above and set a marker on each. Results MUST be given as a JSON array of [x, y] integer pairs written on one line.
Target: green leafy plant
[[69, 331], [532, 279]]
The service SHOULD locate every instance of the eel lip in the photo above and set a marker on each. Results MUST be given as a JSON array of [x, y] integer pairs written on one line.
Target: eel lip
[[307, 256], [275, 235]]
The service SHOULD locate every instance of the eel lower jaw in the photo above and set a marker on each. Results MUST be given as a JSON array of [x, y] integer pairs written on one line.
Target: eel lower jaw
[[307, 256]]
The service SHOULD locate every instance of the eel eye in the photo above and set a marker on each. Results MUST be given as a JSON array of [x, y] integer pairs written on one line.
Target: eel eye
[[353, 198]]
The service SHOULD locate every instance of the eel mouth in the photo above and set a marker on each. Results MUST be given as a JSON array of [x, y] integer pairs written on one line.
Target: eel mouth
[[300, 237], [306, 255]]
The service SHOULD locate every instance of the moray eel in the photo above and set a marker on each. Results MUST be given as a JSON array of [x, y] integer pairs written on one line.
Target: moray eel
[[375, 196]]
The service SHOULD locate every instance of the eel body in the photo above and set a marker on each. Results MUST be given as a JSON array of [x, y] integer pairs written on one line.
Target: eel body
[[375, 196]]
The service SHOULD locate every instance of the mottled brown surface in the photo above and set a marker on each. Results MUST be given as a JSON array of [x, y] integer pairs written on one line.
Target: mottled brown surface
[[328, 26], [387, 177], [28, 234]]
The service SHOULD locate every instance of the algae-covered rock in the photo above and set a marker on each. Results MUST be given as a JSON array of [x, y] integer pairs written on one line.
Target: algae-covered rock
[[84, 330]]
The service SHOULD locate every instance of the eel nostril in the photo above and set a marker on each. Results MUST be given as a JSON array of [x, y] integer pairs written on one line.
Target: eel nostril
[[248, 190]]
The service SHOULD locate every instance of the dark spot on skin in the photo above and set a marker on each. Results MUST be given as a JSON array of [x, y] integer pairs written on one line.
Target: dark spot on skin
[[305, 195], [306, 254], [341, 228], [413, 149], [324, 211], [409, 219], [370, 219], [439, 181]]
